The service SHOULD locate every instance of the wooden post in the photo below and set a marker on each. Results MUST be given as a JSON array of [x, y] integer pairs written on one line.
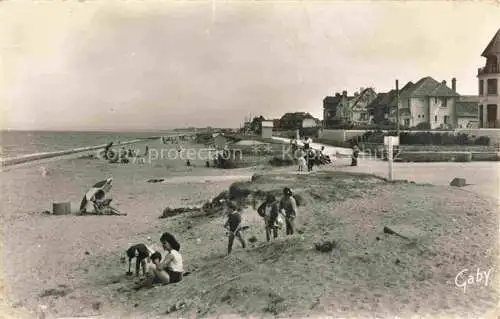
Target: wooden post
[[389, 158], [397, 107]]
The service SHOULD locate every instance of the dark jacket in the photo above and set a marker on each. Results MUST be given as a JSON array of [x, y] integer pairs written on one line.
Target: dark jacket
[[233, 221], [275, 209], [289, 205]]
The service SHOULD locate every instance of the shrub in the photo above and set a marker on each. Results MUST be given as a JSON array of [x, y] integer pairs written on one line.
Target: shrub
[[423, 126], [482, 140], [280, 161]]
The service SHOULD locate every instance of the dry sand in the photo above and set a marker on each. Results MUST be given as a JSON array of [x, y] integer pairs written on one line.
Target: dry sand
[[79, 256]]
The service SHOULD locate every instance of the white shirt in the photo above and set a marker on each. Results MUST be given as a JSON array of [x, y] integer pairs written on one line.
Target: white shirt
[[309, 140], [176, 263]]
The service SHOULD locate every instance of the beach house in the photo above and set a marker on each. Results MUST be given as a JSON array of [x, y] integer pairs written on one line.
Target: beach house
[[343, 109], [427, 104], [489, 78]]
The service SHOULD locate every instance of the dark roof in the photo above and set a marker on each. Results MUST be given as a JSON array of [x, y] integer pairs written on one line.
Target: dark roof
[[382, 99], [361, 94], [331, 101], [426, 87], [493, 48], [467, 109]]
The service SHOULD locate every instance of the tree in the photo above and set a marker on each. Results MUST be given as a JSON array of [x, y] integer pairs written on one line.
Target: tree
[[256, 124]]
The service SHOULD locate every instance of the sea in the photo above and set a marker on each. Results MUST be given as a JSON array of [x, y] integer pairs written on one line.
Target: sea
[[20, 143]]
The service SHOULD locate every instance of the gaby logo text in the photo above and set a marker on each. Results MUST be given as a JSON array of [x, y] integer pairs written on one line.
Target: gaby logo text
[[466, 278]]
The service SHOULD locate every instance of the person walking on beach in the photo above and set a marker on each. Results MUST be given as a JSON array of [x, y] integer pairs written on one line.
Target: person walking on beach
[[233, 224], [355, 154], [288, 204], [270, 211], [310, 158]]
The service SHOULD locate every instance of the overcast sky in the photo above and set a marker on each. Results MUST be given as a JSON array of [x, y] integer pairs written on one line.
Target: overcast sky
[[132, 64]]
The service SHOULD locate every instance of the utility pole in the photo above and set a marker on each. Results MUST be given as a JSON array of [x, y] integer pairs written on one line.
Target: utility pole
[[397, 107]]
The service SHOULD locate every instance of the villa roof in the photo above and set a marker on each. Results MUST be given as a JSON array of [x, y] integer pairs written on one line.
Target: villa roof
[[467, 109], [493, 48], [425, 87], [382, 99]]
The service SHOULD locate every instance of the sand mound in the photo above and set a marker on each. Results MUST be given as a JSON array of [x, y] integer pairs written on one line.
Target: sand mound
[[248, 143], [367, 272]]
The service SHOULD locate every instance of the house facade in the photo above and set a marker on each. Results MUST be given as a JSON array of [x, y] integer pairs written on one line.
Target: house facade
[[267, 129], [344, 109], [334, 109], [358, 111], [489, 85], [380, 108], [427, 103], [467, 111]]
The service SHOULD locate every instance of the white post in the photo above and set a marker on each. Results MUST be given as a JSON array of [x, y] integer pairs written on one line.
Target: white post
[[389, 157]]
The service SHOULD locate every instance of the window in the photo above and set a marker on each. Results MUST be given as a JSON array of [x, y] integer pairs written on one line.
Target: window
[[481, 87], [444, 102], [446, 119], [492, 86], [435, 118], [435, 100]]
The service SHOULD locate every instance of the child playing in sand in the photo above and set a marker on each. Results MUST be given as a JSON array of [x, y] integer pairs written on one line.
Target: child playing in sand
[[168, 271], [233, 224]]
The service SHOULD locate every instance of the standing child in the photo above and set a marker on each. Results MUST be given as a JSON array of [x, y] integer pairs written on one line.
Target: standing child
[[302, 161], [289, 206], [269, 210], [233, 224]]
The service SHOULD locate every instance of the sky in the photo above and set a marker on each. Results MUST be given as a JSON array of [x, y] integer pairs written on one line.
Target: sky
[[154, 65]]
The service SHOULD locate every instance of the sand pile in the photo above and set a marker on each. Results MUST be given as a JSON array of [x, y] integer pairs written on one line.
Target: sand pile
[[367, 273]]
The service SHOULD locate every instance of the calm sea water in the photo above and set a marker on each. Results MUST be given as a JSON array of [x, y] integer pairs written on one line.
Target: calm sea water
[[16, 143]]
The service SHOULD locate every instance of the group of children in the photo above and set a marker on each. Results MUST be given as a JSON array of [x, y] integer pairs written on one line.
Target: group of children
[[307, 156], [169, 268], [272, 211], [164, 270]]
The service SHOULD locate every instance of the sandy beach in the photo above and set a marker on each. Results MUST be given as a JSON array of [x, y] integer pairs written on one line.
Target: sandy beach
[[70, 265]]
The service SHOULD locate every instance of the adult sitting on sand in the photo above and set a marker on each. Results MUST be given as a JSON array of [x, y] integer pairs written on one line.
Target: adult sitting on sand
[[270, 211], [168, 271], [289, 206], [233, 224]]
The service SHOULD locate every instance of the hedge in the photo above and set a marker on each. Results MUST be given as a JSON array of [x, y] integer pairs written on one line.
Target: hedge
[[434, 157], [488, 156], [423, 138]]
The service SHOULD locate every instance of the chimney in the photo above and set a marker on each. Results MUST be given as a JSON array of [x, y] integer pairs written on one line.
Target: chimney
[[454, 85]]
